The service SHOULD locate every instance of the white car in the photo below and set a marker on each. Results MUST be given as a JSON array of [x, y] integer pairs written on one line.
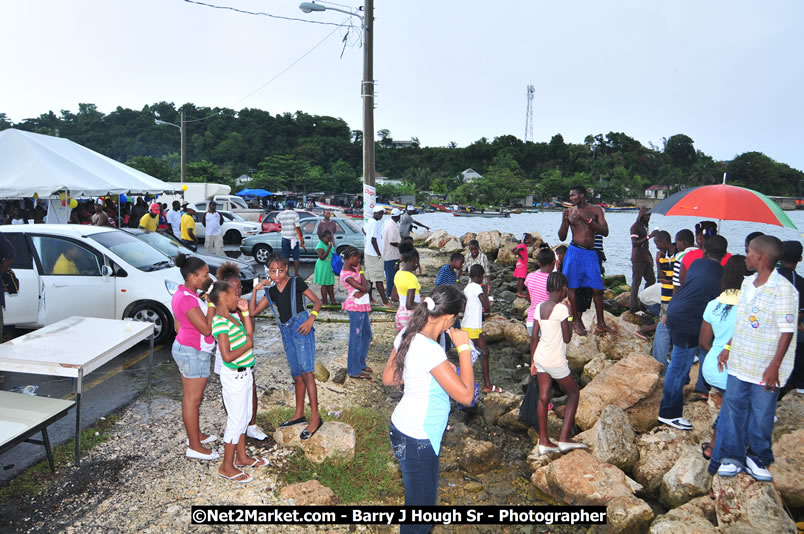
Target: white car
[[235, 228], [119, 276]]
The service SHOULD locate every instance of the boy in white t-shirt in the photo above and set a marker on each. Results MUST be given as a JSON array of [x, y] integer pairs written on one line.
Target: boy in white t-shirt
[[476, 303]]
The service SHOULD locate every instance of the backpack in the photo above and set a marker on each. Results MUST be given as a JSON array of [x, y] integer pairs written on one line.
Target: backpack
[[337, 264]]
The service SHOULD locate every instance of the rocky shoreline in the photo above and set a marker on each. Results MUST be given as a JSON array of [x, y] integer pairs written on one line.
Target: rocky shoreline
[[651, 478]]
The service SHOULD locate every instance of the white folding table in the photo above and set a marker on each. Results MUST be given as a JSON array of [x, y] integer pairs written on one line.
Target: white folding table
[[74, 347]]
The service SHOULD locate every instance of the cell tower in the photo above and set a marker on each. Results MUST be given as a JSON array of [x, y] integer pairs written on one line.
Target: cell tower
[[529, 115]]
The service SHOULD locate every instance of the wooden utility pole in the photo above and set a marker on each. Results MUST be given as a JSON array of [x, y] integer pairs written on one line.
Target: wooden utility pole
[[183, 147], [367, 92]]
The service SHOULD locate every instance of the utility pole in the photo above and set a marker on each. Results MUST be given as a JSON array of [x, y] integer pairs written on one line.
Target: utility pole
[[183, 147], [367, 92]]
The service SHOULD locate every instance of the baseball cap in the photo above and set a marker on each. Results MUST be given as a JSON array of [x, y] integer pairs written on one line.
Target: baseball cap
[[396, 212], [187, 206], [378, 209], [411, 208], [155, 208], [213, 203]]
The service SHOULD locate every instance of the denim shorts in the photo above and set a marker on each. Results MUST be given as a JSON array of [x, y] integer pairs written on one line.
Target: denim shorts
[[287, 251], [300, 350], [192, 363]]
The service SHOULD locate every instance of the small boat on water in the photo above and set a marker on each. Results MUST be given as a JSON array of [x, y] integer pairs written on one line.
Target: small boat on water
[[616, 209], [440, 207], [487, 215]]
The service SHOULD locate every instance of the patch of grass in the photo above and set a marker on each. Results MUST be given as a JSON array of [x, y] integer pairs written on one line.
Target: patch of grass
[[371, 476], [38, 477]]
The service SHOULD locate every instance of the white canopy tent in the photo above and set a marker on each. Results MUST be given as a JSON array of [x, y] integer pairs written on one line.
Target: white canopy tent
[[34, 163]]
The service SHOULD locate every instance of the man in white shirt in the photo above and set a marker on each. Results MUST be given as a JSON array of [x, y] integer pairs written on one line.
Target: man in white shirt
[[213, 234], [375, 270], [291, 234], [174, 218], [390, 249]]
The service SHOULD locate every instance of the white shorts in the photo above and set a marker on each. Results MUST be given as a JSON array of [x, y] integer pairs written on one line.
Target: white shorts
[[556, 373], [236, 386]]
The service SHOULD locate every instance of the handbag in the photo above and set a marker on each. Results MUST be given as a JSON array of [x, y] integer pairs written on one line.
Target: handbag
[[529, 411], [337, 264], [11, 284]]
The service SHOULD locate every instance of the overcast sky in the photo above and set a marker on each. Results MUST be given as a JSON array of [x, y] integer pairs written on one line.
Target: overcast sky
[[727, 73]]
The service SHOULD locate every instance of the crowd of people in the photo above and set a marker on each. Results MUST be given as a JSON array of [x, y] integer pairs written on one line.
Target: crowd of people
[[739, 314]]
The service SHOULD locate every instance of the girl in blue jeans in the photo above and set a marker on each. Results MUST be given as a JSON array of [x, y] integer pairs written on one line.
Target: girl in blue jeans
[[420, 418], [298, 335], [357, 305]]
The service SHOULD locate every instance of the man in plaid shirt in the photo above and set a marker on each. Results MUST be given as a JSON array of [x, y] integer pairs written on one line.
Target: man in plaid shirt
[[759, 359]]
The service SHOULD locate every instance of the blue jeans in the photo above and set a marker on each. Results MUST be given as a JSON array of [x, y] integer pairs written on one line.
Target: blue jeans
[[359, 341], [661, 344], [677, 374], [299, 349], [391, 267], [420, 467], [745, 423]]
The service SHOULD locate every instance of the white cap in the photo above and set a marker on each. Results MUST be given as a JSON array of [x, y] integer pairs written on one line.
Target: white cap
[[396, 212], [378, 209], [411, 208]]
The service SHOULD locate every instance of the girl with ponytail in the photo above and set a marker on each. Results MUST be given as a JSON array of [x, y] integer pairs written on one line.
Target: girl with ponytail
[[420, 418]]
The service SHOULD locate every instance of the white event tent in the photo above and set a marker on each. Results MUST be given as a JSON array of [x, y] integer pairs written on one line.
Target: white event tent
[[46, 165]]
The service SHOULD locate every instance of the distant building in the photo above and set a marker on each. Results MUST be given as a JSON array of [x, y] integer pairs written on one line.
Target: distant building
[[657, 191], [470, 175], [395, 143], [243, 179], [384, 180]]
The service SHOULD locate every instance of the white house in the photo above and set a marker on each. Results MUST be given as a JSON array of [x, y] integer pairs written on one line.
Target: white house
[[470, 175], [657, 191], [384, 180]]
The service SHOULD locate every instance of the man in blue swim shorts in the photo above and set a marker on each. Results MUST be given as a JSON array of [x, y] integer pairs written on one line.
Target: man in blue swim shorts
[[581, 264]]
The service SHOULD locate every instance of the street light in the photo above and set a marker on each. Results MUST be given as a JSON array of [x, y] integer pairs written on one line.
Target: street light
[[183, 143], [366, 92]]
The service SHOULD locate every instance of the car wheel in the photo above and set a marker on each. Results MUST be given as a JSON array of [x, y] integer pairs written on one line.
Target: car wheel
[[153, 313], [261, 253], [232, 236]]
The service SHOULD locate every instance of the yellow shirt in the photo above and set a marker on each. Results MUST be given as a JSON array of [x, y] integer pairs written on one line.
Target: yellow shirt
[[149, 223], [404, 281], [187, 223], [64, 266]]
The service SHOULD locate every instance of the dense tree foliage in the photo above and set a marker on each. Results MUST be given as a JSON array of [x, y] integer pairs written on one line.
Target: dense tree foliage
[[306, 153]]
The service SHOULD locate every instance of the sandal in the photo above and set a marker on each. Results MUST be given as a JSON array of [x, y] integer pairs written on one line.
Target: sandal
[[641, 336], [362, 376], [248, 478], [494, 389], [258, 462], [704, 447]]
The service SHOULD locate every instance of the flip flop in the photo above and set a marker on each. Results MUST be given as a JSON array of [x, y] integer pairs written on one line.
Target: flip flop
[[641, 336], [361, 376], [495, 389], [258, 462], [232, 478]]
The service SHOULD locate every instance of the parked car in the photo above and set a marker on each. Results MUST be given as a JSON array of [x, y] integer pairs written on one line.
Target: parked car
[[347, 233], [168, 245], [234, 227], [119, 276], [231, 203], [269, 223]]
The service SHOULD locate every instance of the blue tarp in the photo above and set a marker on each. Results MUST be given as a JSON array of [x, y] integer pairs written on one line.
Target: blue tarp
[[255, 193]]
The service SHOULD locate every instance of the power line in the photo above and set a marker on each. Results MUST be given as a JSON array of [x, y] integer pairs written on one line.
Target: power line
[[261, 13]]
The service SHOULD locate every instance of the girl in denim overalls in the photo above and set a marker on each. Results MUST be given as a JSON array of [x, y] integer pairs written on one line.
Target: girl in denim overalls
[[298, 336]]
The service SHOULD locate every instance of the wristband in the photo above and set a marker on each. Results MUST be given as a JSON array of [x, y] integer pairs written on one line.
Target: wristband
[[570, 318], [590, 220], [463, 347], [244, 313], [727, 347], [315, 313], [211, 304], [361, 272]]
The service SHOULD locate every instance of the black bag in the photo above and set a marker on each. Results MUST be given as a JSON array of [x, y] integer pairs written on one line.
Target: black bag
[[11, 284], [529, 411]]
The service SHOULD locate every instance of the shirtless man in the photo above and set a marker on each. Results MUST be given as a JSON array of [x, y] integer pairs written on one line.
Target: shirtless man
[[581, 264]]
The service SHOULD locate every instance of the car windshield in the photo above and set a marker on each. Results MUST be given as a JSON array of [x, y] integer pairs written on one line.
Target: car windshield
[[133, 251], [351, 224], [232, 216], [163, 244]]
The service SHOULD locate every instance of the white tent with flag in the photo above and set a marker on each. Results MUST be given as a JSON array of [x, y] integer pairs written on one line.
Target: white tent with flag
[[44, 165]]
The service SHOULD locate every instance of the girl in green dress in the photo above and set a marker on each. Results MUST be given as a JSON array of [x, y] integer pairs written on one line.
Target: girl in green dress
[[324, 276]]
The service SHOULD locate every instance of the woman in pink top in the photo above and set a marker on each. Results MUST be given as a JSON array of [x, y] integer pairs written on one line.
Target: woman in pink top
[[522, 252], [192, 350], [536, 282], [357, 305]]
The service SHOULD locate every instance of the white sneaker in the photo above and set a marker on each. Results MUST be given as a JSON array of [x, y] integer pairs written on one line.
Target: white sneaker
[[757, 470], [255, 432], [678, 422], [728, 470]]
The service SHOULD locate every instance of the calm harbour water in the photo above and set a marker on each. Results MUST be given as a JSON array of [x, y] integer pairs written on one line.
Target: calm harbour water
[[618, 244]]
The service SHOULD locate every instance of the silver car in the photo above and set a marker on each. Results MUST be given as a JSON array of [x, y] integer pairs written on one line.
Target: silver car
[[347, 233]]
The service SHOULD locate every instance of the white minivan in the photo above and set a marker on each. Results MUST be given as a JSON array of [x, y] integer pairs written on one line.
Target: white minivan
[[90, 271]]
